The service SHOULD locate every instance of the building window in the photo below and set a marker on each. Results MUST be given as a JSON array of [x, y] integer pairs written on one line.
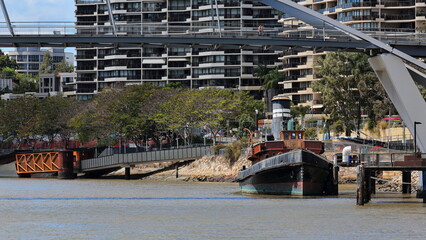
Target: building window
[[33, 58]]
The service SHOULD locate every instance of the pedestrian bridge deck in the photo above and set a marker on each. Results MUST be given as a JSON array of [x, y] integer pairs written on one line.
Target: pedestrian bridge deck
[[69, 34], [106, 160]]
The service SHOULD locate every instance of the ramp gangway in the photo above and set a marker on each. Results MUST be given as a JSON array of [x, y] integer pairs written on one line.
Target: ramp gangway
[[130, 159]]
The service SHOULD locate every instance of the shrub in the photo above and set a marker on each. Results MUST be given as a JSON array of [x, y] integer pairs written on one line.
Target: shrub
[[383, 125], [311, 133], [233, 151], [338, 127], [217, 148]]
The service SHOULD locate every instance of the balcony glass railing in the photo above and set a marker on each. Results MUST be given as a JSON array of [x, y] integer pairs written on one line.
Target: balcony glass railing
[[88, 1]]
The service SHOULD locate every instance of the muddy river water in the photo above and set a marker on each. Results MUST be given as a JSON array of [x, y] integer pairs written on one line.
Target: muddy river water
[[138, 209]]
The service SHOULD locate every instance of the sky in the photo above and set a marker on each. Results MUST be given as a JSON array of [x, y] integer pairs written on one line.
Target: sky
[[39, 10]]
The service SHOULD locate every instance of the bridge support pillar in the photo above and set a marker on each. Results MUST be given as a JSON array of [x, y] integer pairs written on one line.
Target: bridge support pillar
[[373, 176], [404, 93], [65, 165], [398, 81], [406, 182], [421, 192], [368, 185], [127, 173]]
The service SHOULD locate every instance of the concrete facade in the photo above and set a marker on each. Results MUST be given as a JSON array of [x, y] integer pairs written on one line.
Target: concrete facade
[[61, 83], [30, 58], [190, 66]]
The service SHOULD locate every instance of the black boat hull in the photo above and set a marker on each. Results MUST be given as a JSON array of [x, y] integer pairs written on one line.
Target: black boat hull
[[298, 172]]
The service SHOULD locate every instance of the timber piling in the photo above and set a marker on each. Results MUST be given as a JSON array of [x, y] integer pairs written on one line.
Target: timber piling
[[370, 165], [360, 185]]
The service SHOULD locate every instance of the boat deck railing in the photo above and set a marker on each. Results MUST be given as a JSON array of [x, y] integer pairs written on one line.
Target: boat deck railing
[[294, 156]]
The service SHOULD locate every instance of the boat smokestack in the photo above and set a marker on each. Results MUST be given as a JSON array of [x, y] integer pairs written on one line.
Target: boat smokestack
[[280, 114]]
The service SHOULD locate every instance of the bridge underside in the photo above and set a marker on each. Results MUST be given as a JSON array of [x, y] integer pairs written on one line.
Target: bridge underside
[[276, 43], [139, 41]]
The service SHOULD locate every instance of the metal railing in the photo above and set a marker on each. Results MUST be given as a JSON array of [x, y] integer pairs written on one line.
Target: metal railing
[[401, 36], [143, 157], [337, 146], [295, 156], [390, 159]]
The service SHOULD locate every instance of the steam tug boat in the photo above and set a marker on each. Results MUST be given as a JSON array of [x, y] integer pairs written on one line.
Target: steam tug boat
[[291, 166]]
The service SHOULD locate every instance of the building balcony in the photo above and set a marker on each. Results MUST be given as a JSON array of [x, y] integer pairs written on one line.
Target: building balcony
[[177, 76], [397, 16], [111, 68], [217, 64], [85, 90], [85, 12], [82, 57], [399, 3], [88, 1], [293, 64], [85, 79], [292, 77], [85, 67]]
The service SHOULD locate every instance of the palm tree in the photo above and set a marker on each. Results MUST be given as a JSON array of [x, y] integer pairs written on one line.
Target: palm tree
[[261, 71], [270, 85], [301, 111]]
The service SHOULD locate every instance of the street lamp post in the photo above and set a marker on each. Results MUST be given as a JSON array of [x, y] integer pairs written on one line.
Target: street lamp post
[[255, 119], [415, 135]]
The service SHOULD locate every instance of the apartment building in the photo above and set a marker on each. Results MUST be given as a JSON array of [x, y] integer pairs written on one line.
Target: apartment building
[[378, 16], [60, 83], [30, 58], [6, 83], [192, 66]]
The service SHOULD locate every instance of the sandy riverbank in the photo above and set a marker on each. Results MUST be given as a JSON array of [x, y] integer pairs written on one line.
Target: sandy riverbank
[[206, 169]]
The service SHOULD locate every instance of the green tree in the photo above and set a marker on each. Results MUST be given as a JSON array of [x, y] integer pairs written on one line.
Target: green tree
[[91, 122], [261, 71], [300, 111], [6, 61], [311, 133], [46, 65], [54, 115], [348, 86], [26, 83], [270, 86], [132, 111], [245, 121], [63, 67], [18, 118], [8, 72], [22, 83], [338, 127], [174, 85]]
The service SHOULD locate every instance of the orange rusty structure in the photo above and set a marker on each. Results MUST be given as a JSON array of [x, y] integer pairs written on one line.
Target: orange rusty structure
[[41, 162], [64, 163], [289, 140]]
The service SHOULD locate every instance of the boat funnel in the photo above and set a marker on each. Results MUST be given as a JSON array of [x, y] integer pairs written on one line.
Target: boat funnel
[[281, 114]]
